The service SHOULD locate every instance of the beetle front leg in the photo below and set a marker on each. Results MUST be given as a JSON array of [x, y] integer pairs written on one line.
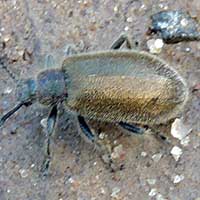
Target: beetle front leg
[[51, 122], [120, 41]]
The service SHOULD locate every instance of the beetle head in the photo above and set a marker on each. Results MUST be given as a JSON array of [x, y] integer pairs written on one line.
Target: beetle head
[[26, 91]]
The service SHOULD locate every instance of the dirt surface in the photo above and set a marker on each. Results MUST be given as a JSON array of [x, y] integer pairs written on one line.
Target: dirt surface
[[31, 29]]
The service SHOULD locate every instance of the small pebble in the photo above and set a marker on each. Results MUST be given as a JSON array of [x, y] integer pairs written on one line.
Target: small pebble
[[105, 158], [71, 180], [157, 157], [115, 9], [4, 132], [118, 152], [143, 7], [129, 19], [188, 49], [74, 184], [101, 136], [34, 184], [171, 188], [103, 191], [160, 197], [21, 53], [176, 152], [115, 142], [184, 22], [95, 163], [143, 154], [179, 130], [153, 192], [115, 192], [165, 7], [185, 141], [126, 28], [23, 173], [6, 38], [43, 123], [155, 45], [151, 181], [8, 90], [33, 165], [178, 178]]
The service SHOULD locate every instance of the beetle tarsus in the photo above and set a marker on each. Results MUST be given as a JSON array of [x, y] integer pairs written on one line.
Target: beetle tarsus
[[51, 122], [85, 128], [160, 137], [45, 167], [132, 128]]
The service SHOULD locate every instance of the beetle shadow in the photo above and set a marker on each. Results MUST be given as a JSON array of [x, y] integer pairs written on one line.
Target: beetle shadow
[[72, 142]]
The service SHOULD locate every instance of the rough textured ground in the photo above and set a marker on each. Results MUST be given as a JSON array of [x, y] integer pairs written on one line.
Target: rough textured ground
[[30, 29]]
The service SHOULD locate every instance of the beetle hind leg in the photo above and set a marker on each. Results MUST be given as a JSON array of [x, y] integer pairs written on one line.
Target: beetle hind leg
[[132, 128]]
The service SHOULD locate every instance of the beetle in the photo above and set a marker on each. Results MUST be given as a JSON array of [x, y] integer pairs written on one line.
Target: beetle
[[125, 87]]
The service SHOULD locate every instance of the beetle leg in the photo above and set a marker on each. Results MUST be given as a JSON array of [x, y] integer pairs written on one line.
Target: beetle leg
[[132, 128], [70, 50], [49, 62], [159, 136], [85, 128], [120, 41], [51, 122]]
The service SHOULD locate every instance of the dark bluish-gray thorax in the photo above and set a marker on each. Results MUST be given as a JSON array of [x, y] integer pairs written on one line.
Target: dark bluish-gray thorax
[[49, 87]]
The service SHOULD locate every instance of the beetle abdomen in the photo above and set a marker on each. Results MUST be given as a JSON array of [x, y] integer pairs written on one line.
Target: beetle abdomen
[[153, 94]]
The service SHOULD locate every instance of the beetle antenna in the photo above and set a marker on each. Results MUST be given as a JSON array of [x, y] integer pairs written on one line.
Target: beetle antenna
[[11, 112]]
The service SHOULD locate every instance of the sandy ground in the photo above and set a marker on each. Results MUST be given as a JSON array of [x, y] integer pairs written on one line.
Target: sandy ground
[[31, 29]]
